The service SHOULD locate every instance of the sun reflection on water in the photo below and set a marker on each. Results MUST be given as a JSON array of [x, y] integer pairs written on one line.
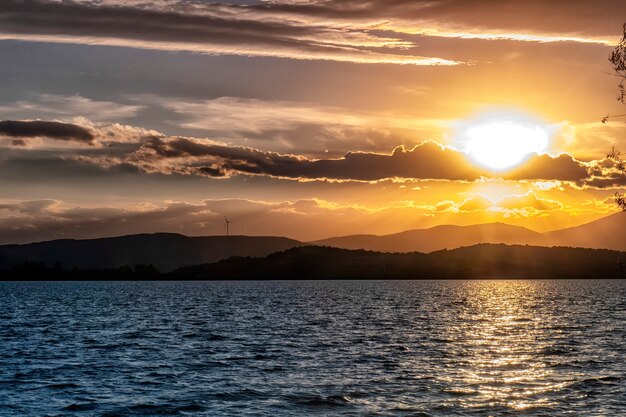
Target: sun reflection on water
[[501, 338]]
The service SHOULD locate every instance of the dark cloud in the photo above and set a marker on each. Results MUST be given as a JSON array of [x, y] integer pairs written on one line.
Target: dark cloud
[[71, 18], [53, 130], [177, 26], [212, 172], [269, 30], [428, 160], [608, 180], [425, 161], [563, 167], [265, 25], [555, 16]]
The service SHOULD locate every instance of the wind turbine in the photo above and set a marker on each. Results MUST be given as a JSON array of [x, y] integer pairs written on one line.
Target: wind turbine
[[226, 223]]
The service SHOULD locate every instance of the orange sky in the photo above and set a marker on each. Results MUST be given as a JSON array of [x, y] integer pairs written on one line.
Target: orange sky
[[303, 119]]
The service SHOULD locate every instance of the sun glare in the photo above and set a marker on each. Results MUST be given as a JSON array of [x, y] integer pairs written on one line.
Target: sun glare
[[501, 142]]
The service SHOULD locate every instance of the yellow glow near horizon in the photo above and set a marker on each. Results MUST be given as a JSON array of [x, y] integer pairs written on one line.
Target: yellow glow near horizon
[[500, 143]]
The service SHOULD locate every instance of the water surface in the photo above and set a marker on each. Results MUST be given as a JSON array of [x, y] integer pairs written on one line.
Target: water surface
[[324, 348]]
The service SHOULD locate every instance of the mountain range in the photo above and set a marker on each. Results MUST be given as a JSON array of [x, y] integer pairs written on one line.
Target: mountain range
[[169, 251], [604, 233]]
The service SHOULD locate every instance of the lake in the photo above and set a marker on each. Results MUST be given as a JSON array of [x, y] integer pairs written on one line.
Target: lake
[[316, 348]]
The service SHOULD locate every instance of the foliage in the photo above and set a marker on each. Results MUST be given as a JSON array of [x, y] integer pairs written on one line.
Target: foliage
[[618, 61], [617, 58], [620, 164]]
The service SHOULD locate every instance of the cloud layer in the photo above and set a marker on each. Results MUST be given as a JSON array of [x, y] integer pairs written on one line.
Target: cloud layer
[[36, 220], [152, 152], [212, 29], [487, 18], [370, 31], [428, 160]]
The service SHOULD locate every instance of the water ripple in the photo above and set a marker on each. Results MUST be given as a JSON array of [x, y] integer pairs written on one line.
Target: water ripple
[[351, 348]]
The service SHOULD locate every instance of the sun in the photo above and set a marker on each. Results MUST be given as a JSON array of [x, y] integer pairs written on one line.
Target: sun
[[500, 142]]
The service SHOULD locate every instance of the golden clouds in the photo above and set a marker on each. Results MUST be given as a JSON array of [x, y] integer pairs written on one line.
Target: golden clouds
[[526, 204], [315, 218]]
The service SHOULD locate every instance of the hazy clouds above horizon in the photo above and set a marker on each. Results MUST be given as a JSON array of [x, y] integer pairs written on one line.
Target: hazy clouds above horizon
[[335, 114]]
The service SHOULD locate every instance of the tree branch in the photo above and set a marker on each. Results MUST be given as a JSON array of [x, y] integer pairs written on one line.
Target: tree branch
[[617, 58]]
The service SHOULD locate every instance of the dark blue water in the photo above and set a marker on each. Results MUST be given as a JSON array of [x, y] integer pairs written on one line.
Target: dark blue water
[[373, 348]]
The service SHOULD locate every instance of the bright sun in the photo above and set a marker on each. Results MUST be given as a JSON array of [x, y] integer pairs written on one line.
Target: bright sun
[[501, 142]]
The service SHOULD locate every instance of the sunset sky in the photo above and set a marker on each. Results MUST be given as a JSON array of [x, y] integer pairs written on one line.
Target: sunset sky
[[305, 119]]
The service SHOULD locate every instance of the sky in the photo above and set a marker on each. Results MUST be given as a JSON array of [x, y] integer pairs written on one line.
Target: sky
[[305, 119]]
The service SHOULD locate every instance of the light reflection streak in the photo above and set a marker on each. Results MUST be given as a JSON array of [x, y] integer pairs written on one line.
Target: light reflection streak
[[501, 337]]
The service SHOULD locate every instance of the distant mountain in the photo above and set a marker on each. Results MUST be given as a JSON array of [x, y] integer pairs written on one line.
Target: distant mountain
[[169, 251], [475, 262], [604, 233], [165, 251], [437, 238]]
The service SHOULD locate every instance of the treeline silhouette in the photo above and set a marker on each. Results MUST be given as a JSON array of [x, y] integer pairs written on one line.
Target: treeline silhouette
[[474, 262], [484, 261]]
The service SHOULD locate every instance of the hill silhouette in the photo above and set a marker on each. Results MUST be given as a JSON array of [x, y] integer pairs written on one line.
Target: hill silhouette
[[165, 251], [604, 233], [437, 238], [599, 234]]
